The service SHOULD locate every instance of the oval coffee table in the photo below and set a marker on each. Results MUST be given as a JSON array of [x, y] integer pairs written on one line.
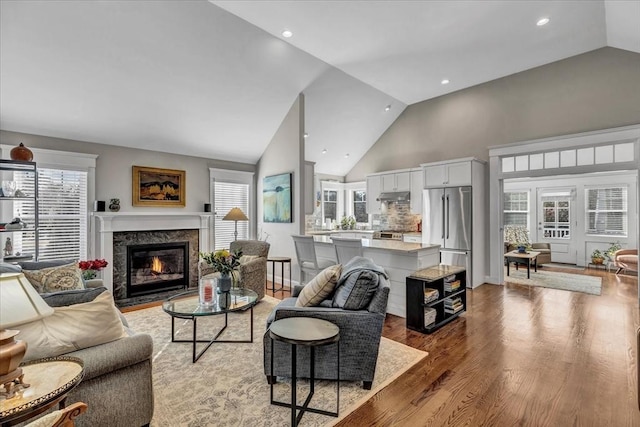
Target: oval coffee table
[[310, 332], [187, 306]]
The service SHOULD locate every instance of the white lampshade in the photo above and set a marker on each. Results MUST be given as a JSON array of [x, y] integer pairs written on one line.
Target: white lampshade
[[19, 301]]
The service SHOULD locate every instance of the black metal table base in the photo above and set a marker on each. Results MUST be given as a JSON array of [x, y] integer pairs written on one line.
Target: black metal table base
[[194, 340], [295, 415]]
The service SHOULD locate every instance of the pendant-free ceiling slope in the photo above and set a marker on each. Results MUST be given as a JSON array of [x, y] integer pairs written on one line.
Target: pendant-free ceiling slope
[[180, 77]]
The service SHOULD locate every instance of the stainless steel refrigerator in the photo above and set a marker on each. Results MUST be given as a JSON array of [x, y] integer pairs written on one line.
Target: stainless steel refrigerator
[[446, 221]]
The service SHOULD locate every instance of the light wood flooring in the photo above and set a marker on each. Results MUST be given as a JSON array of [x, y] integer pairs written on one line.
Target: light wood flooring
[[523, 356]]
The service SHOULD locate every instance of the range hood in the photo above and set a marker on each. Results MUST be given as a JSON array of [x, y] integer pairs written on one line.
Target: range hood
[[395, 196]]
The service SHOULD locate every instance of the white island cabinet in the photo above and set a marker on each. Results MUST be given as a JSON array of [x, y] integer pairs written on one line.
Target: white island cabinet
[[399, 259]]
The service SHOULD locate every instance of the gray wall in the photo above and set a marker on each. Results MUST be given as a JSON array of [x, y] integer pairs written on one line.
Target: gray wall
[[114, 168], [285, 153], [596, 90]]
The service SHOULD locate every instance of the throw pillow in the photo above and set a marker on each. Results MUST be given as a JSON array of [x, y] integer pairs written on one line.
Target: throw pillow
[[357, 290], [73, 328], [77, 296], [54, 279], [320, 287], [246, 258]]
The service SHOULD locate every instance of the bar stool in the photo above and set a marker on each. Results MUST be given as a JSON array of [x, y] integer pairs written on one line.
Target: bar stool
[[311, 332], [282, 260], [307, 261], [346, 249]]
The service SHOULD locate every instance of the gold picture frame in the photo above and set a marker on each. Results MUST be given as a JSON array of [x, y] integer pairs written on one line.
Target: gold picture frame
[[158, 187]]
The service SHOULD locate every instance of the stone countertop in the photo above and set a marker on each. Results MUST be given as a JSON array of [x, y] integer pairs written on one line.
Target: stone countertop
[[327, 232], [437, 272], [389, 245]]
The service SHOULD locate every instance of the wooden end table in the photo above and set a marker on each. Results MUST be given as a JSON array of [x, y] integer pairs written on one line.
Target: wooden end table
[[50, 380], [523, 258]]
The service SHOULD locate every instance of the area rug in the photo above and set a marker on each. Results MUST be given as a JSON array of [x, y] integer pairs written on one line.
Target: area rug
[[555, 280], [227, 386]]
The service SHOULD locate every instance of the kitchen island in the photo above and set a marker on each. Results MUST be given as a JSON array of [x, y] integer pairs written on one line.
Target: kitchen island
[[399, 259]]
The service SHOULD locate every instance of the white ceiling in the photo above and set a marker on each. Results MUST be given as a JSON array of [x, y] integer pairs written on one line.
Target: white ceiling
[[192, 78]]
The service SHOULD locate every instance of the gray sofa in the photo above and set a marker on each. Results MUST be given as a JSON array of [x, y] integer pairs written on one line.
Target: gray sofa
[[117, 385], [360, 333]]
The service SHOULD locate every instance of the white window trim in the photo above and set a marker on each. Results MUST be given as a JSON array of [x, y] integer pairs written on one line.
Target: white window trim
[[57, 159], [240, 177]]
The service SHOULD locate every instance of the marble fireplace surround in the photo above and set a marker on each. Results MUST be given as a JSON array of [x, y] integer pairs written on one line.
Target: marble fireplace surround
[[104, 224]]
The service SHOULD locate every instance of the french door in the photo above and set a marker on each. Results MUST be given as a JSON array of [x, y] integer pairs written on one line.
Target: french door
[[556, 223]]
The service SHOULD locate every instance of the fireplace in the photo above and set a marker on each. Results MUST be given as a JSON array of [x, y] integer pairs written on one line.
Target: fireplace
[[157, 267]]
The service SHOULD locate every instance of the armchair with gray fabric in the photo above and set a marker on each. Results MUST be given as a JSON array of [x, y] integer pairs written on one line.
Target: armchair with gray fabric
[[360, 334], [253, 273]]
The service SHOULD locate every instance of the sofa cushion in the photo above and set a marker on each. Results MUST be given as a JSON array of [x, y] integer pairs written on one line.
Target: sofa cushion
[[320, 287], [356, 292], [72, 328], [77, 296], [9, 268], [54, 279]]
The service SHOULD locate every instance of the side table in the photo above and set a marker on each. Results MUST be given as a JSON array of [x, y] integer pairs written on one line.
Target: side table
[[50, 380], [311, 332], [282, 260]]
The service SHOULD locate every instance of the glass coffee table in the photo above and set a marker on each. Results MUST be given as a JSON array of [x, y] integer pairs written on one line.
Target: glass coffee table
[[187, 306]]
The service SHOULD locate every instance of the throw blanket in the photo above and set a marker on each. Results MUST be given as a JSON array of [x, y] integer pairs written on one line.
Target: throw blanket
[[359, 281]]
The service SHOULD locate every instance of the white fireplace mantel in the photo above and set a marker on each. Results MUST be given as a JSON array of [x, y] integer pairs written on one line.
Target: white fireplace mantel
[[104, 224]]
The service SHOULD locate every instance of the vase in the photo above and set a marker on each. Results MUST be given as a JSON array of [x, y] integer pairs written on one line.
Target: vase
[[21, 153], [224, 300], [114, 205], [224, 282], [206, 290]]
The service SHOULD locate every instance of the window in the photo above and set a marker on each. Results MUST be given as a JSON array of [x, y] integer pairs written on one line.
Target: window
[[226, 196], [556, 214], [360, 206], [606, 211], [62, 198], [516, 208], [330, 205]]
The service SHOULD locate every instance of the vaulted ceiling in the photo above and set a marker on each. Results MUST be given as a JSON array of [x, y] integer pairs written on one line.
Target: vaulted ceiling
[[215, 79]]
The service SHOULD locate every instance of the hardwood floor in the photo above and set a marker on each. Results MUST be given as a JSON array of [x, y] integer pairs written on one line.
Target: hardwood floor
[[520, 356]]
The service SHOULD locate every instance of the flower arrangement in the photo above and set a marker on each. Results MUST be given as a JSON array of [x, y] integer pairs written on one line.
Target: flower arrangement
[[222, 260], [90, 268]]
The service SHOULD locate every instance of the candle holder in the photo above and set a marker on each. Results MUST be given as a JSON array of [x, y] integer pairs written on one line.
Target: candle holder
[[207, 292]]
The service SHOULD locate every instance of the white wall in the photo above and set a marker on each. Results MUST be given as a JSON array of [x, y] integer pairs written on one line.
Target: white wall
[[285, 153], [582, 243]]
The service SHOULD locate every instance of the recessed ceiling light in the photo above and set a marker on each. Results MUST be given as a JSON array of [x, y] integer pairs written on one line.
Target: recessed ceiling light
[[387, 108], [346, 155], [542, 21], [287, 33], [324, 151], [444, 82], [306, 135]]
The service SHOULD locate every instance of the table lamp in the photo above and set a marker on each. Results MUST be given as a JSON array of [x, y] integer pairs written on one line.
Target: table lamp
[[19, 304], [236, 215]]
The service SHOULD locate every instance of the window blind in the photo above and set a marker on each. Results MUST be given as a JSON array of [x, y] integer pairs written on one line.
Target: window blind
[[62, 199], [607, 211], [226, 196], [516, 208]]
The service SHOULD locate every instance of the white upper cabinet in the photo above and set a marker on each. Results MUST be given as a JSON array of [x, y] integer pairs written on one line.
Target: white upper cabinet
[[447, 174], [374, 185], [398, 181]]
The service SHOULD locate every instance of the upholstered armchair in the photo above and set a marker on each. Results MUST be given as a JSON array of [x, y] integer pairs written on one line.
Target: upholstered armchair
[[360, 334], [252, 272], [626, 259]]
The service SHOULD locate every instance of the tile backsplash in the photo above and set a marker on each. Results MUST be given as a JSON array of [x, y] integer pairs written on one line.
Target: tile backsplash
[[397, 216]]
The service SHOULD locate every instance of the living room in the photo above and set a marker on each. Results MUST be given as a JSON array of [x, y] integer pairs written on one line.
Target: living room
[[592, 88]]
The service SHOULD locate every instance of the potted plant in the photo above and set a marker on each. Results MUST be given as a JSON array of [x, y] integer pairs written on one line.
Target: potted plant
[[597, 257], [613, 248]]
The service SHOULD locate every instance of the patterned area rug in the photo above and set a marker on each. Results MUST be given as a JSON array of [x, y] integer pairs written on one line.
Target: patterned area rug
[[227, 386], [555, 280]]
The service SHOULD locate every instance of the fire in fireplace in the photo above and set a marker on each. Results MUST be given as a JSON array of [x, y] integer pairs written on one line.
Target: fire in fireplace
[[157, 267]]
